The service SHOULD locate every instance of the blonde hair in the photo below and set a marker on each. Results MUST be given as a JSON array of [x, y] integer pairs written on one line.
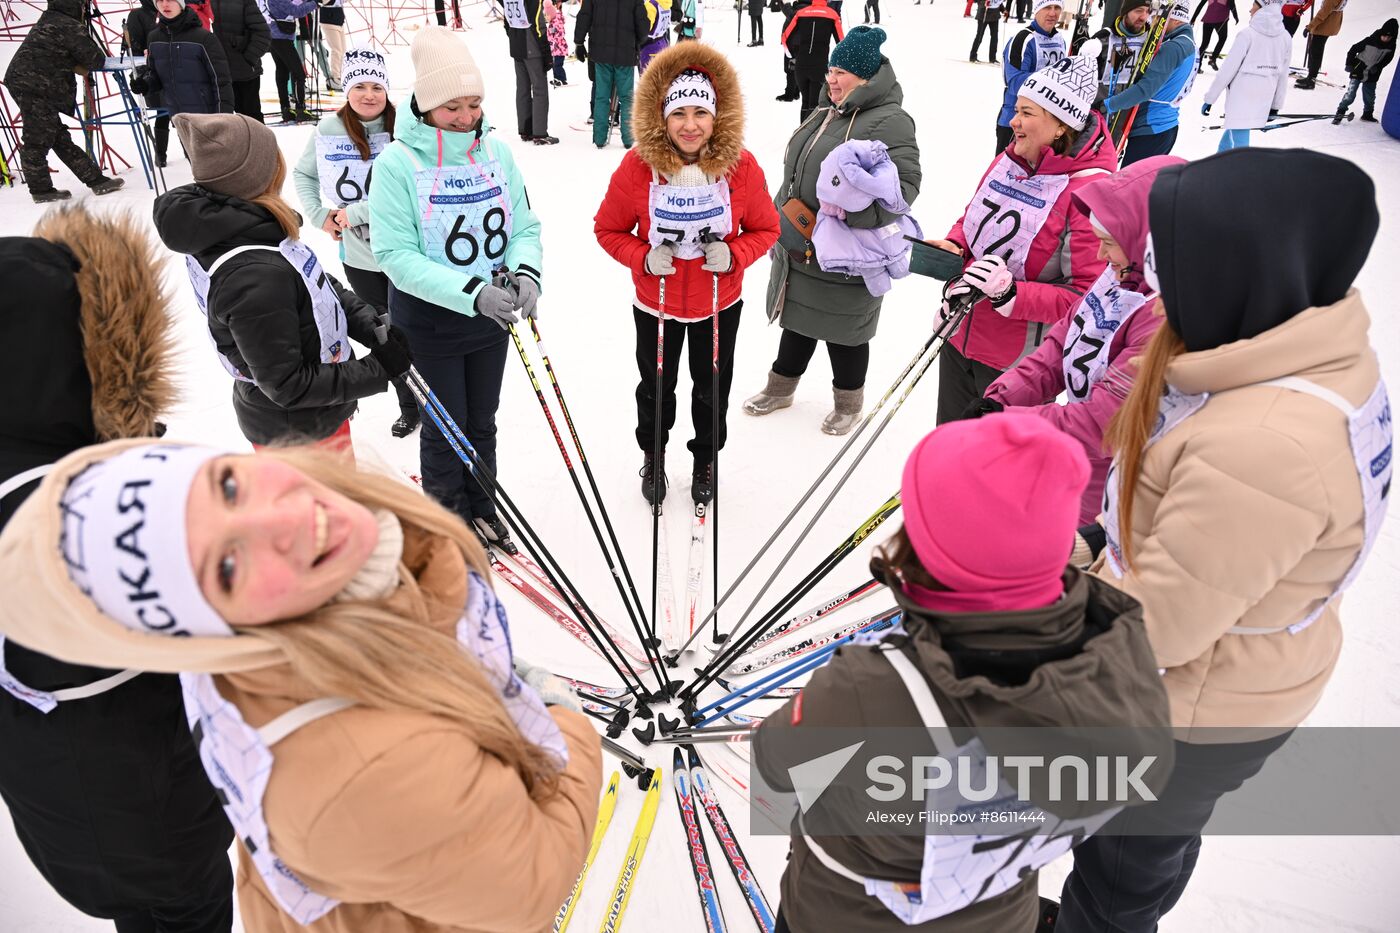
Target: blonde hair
[[385, 658], [271, 201], [1132, 424]]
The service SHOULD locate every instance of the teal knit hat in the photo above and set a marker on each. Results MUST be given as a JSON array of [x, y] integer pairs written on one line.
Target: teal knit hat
[[859, 52]]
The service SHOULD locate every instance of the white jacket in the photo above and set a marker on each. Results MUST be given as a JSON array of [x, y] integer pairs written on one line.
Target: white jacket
[[1255, 71]]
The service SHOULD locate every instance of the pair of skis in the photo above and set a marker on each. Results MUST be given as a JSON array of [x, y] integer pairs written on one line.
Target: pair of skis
[[677, 627], [631, 862]]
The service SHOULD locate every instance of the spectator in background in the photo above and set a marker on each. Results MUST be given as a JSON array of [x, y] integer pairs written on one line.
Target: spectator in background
[[789, 68], [1365, 62], [1293, 13], [333, 28], [188, 70], [1255, 76], [529, 47], [756, 22], [616, 30], [993, 11], [1217, 21], [690, 24], [243, 32], [290, 73], [558, 32], [1161, 89], [808, 39], [659, 35], [1325, 24], [41, 80]]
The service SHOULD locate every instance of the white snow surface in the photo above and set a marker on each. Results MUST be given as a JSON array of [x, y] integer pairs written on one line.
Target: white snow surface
[[1241, 884]]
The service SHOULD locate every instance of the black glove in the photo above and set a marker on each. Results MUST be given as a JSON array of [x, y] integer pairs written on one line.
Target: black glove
[[393, 354], [580, 52], [1273, 113], [981, 406]]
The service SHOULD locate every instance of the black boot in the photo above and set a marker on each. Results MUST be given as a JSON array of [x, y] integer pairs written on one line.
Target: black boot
[[702, 482], [653, 492], [107, 185], [1369, 117], [406, 425], [494, 533], [53, 194]]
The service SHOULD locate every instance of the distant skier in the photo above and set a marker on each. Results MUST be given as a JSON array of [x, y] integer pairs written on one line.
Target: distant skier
[[1255, 76], [1159, 93], [1365, 62]]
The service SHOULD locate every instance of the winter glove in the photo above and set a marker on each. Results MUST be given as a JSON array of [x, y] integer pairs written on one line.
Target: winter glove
[[954, 290], [552, 690], [661, 259], [1205, 110], [831, 210], [992, 278], [718, 258], [1089, 541], [496, 303], [527, 296], [981, 406], [580, 52], [393, 354]]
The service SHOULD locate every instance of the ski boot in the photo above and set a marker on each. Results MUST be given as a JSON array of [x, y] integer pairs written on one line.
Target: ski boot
[[653, 491], [107, 186], [494, 533], [53, 194], [775, 395], [406, 425], [1305, 84], [1368, 117], [546, 140], [306, 116], [846, 412], [702, 482]]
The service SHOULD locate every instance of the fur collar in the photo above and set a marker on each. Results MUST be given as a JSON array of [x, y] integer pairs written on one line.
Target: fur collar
[[727, 143]]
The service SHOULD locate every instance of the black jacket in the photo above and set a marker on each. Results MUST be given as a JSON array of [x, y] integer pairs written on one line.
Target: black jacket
[[1368, 58], [809, 37], [241, 29], [106, 793], [260, 317], [537, 31], [58, 46], [190, 69], [613, 30]]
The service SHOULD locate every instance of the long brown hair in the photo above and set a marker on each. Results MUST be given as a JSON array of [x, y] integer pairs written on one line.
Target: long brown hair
[[896, 561], [271, 201], [355, 127], [382, 657], [1132, 424]]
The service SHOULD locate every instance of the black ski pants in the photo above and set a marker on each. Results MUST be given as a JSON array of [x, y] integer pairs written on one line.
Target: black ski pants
[[44, 132], [373, 287], [247, 98], [1129, 875], [810, 87], [960, 380], [161, 131], [755, 22], [1316, 46], [848, 364], [1023, 10], [1004, 137], [872, 8], [1150, 144], [988, 20], [288, 69], [699, 334], [1221, 31]]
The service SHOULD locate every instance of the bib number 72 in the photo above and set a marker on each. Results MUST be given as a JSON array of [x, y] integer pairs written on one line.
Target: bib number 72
[[1002, 216], [494, 241]]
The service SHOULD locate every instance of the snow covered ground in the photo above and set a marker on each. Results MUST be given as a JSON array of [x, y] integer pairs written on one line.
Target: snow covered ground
[[1241, 884]]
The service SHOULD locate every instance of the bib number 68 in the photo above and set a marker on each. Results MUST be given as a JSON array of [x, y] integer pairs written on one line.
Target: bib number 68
[[493, 225]]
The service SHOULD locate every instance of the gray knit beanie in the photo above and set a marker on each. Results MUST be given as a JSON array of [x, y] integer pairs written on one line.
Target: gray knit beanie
[[230, 154]]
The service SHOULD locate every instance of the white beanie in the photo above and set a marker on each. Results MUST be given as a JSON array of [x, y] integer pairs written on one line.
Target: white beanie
[[1068, 87], [443, 69], [691, 88], [1179, 10], [1042, 4], [364, 65], [124, 541]]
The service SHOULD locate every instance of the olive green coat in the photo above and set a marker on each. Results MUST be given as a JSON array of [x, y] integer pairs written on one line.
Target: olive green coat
[[826, 305]]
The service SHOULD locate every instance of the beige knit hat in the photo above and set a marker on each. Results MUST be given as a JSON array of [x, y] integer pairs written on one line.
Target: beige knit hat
[[443, 69], [230, 154]]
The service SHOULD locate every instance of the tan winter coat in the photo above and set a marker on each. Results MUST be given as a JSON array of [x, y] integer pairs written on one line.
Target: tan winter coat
[[1327, 21], [397, 814], [1249, 513]]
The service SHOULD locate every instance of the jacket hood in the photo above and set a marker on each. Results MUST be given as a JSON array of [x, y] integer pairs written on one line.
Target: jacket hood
[[1388, 28], [1119, 202], [185, 20], [1312, 243], [105, 326], [1268, 20], [727, 143], [194, 220], [1092, 149], [1078, 675], [73, 8], [422, 137]]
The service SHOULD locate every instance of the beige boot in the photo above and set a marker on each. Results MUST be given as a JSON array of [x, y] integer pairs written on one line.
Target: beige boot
[[847, 412], [776, 394]]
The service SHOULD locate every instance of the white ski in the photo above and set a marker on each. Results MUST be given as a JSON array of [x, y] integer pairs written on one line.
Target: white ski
[[694, 569], [668, 625]]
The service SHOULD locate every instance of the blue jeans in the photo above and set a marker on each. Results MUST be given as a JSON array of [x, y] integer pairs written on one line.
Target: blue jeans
[[1368, 96], [1233, 139]]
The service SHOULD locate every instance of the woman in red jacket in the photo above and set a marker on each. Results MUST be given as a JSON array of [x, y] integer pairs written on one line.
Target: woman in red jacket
[[688, 207], [1025, 248]]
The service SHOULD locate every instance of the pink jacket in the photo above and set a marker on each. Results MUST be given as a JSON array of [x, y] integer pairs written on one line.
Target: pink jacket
[[1061, 265], [1119, 203]]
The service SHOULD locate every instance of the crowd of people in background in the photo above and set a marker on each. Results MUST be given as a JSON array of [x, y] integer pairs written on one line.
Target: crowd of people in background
[[1155, 526]]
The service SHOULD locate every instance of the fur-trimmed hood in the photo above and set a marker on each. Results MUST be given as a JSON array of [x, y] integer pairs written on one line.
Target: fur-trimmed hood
[[649, 128]]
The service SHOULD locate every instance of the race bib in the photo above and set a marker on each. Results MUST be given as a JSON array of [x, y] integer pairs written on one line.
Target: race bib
[[344, 175], [465, 216], [1102, 311], [1008, 211], [663, 21], [689, 216], [516, 17]]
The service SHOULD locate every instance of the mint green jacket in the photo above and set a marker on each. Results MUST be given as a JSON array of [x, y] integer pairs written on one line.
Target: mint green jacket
[[353, 250], [395, 224]]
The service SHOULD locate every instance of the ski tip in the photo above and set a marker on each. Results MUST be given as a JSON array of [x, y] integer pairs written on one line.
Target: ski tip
[[693, 757], [678, 759], [647, 734]]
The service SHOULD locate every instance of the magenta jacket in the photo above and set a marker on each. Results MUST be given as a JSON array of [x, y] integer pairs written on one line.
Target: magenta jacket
[[1119, 203], [1061, 265]]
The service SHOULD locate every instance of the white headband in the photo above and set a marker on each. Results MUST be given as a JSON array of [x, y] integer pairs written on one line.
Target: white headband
[[362, 65], [690, 89], [125, 545]]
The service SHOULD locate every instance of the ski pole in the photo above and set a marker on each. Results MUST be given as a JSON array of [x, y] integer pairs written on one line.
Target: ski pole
[[653, 655], [715, 636], [657, 450], [443, 421], [808, 665], [941, 334]]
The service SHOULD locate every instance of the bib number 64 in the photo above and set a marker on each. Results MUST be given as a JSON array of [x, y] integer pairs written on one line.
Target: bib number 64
[[459, 240]]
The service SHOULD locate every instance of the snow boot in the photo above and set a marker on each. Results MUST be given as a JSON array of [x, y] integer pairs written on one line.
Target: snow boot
[[53, 194], [702, 482], [1305, 84], [846, 413], [653, 492], [546, 140], [1337, 120], [107, 186], [406, 424], [494, 533], [1369, 117], [775, 395]]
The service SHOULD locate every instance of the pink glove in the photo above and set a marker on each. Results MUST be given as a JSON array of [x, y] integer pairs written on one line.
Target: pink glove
[[992, 278], [831, 210]]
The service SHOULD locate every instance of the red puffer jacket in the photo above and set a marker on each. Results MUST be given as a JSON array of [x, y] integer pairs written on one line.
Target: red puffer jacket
[[622, 226], [1061, 265]]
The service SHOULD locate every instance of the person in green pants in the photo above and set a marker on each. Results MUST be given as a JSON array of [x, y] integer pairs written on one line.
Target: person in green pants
[[615, 30]]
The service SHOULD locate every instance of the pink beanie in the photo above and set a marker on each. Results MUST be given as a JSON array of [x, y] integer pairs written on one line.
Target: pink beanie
[[991, 506]]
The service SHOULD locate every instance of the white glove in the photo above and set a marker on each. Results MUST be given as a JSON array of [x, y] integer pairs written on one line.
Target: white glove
[[551, 689], [718, 258], [992, 278], [661, 259]]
